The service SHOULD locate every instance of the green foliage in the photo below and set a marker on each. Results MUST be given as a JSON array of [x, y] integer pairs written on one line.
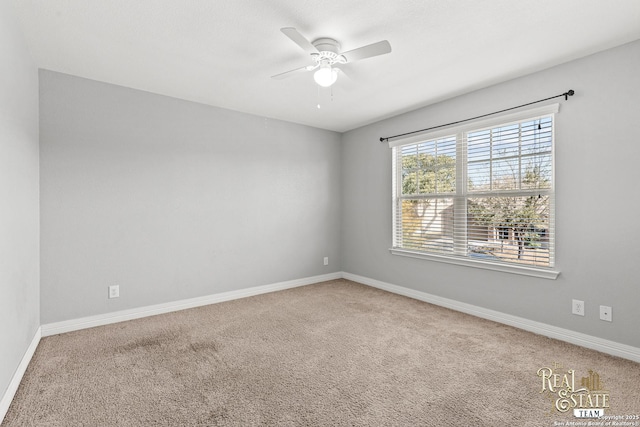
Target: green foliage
[[428, 174], [423, 174], [526, 216]]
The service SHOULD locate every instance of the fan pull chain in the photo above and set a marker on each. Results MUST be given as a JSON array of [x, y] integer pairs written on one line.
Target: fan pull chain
[[320, 94]]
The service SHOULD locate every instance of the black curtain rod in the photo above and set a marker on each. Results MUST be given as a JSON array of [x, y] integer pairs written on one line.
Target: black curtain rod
[[566, 95]]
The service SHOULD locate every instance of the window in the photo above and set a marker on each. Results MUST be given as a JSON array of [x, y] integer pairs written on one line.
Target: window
[[481, 194]]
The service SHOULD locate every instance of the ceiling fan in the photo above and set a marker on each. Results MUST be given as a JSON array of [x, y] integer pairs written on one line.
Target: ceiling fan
[[326, 56]]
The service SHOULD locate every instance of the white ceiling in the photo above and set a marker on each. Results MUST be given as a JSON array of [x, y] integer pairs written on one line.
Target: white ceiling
[[223, 52]]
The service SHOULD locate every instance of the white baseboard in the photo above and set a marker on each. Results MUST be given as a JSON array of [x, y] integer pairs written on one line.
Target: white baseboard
[[151, 310], [588, 341], [584, 340], [5, 402]]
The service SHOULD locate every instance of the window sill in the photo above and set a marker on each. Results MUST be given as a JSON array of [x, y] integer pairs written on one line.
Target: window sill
[[543, 273]]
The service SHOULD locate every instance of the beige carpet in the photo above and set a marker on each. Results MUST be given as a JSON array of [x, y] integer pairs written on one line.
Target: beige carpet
[[333, 353]]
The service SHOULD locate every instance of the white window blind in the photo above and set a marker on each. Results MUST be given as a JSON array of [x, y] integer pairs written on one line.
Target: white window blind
[[483, 191]]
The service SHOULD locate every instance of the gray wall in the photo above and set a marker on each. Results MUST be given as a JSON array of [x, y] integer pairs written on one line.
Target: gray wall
[[171, 199], [597, 178], [19, 250]]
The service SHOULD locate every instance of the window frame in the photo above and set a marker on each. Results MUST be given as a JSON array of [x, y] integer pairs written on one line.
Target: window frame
[[462, 192]]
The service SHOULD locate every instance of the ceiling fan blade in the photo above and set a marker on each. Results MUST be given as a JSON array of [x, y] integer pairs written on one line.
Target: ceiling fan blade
[[367, 51], [345, 82], [289, 73], [299, 39], [343, 73]]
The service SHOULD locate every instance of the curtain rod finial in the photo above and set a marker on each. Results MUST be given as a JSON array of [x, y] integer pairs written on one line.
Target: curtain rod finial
[[382, 139], [568, 94]]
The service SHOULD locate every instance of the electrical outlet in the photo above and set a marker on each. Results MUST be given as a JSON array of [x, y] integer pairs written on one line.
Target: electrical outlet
[[326, 260], [605, 313], [577, 307], [114, 291]]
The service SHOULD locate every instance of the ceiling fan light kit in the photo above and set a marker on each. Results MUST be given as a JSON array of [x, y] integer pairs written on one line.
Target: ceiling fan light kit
[[325, 54], [325, 76]]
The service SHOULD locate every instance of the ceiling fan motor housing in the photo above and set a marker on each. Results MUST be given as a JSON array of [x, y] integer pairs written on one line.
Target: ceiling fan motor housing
[[328, 50]]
